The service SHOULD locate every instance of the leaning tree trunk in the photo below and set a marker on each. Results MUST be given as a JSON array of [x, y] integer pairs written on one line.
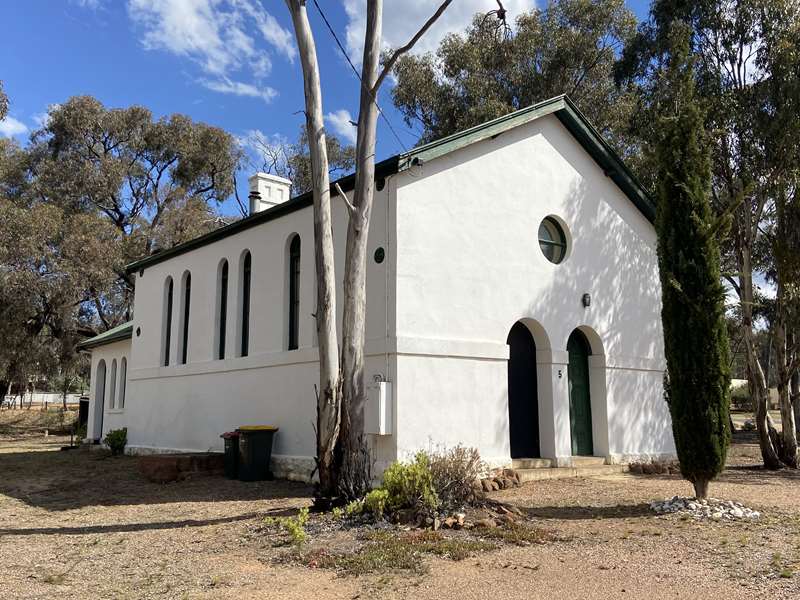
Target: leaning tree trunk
[[795, 391], [329, 393], [767, 436], [788, 449]]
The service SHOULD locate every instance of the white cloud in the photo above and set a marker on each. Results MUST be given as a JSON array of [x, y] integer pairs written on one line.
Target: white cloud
[[403, 18], [41, 119], [340, 121], [9, 127], [239, 88], [225, 37]]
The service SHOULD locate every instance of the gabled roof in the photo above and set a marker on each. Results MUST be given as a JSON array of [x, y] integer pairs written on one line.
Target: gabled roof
[[561, 106], [115, 334]]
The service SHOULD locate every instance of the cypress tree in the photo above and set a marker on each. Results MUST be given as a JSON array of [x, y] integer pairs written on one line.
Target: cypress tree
[[693, 310]]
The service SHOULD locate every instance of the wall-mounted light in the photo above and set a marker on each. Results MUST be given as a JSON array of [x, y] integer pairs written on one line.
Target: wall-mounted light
[[586, 300]]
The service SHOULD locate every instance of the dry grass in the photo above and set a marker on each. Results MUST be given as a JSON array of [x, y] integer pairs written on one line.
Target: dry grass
[[80, 524]]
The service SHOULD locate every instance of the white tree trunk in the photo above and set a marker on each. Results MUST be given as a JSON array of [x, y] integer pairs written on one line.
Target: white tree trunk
[[355, 274], [329, 394]]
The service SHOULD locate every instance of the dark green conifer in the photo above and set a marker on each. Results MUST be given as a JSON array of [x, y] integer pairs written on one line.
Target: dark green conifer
[[693, 311]]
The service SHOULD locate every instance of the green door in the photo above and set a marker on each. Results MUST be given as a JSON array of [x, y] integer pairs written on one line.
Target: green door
[[580, 404]]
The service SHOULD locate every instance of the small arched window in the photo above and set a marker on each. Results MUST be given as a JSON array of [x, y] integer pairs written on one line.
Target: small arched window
[[112, 385], [294, 292], [166, 336], [222, 308], [244, 347], [186, 300], [123, 373]]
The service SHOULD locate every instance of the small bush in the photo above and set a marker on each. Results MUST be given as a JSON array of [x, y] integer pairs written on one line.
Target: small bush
[[294, 526], [375, 502], [740, 398], [116, 440], [410, 485], [454, 472]]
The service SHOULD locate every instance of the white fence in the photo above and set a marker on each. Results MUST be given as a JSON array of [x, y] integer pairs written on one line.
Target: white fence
[[39, 400]]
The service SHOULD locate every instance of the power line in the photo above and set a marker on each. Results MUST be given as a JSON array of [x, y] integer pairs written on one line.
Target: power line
[[358, 76]]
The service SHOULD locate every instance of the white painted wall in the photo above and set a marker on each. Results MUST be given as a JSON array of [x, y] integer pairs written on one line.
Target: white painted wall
[[187, 407], [469, 266], [105, 417]]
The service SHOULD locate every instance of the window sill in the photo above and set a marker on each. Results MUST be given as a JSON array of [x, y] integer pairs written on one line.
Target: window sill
[[115, 411]]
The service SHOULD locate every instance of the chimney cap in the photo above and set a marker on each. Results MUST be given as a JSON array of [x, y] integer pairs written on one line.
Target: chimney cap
[[254, 180]]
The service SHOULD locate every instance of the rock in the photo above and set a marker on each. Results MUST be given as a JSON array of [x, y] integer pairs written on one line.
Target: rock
[[716, 516], [449, 523], [460, 519], [486, 484], [436, 524], [499, 482], [737, 512], [486, 523], [495, 486]]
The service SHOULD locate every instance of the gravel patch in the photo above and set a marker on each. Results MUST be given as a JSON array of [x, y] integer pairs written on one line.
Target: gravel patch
[[710, 508]]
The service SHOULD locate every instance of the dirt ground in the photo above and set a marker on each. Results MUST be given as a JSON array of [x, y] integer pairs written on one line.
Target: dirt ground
[[79, 524]]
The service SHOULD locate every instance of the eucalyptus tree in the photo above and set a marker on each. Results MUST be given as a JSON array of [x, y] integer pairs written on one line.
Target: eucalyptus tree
[[730, 40], [342, 455], [491, 69]]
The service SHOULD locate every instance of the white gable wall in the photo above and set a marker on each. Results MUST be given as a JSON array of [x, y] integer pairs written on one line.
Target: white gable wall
[[469, 266]]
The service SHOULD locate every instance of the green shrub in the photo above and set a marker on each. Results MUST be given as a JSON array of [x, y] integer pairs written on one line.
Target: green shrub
[[740, 398], [356, 507], [294, 526], [410, 485], [454, 472], [116, 440], [375, 502]]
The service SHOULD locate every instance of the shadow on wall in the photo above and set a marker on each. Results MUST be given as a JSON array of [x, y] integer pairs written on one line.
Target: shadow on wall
[[625, 325]]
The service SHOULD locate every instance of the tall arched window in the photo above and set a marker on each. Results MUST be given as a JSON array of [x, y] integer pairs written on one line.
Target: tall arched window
[[123, 373], [112, 384], [222, 309], [186, 299], [244, 347], [294, 292], [166, 339]]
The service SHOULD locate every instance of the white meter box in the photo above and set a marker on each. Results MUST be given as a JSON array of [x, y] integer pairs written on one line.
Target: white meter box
[[378, 412]]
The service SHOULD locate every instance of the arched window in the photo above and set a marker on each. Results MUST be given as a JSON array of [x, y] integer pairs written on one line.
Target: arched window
[[112, 384], [99, 399], [244, 304], [123, 375], [222, 308], [294, 292], [186, 299], [167, 321]]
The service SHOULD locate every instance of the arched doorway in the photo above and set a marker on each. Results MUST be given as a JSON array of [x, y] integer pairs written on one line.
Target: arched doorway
[[99, 398], [580, 401], [523, 403]]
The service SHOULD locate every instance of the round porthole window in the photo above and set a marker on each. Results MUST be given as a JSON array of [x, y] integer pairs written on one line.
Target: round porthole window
[[380, 254], [552, 240]]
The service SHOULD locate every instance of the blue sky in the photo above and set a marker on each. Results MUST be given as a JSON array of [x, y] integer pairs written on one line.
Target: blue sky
[[230, 63]]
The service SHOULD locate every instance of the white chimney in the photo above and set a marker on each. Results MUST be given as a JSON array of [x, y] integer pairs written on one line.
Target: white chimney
[[267, 191]]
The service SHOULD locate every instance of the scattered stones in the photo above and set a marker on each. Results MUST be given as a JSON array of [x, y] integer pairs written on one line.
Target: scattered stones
[[498, 480], [712, 508]]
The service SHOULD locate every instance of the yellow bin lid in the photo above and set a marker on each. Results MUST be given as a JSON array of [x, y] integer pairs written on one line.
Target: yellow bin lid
[[257, 428]]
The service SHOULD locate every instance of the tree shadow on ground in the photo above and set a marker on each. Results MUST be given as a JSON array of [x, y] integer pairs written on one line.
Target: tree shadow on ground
[[58, 481], [569, 513]]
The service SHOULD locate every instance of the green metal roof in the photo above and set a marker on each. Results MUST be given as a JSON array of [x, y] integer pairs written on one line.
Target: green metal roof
[[115, 334], [563, 108]]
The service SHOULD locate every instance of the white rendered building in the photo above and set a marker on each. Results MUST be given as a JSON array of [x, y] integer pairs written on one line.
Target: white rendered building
[[513, 305]]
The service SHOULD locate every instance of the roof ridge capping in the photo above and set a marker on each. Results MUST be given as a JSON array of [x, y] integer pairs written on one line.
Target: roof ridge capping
[[561, 106]]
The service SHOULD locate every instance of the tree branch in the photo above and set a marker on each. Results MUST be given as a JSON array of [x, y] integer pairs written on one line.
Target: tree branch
[[350, 208], [387, 68]]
